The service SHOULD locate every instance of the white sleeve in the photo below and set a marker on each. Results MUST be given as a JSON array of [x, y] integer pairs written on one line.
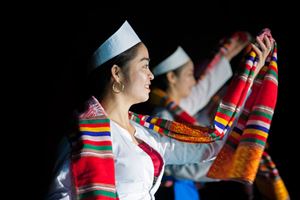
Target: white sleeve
[[207, 87], [178, 153], [196, 172], [62, 187]]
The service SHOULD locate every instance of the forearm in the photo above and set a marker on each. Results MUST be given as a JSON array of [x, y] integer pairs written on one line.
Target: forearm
[[207, 87]]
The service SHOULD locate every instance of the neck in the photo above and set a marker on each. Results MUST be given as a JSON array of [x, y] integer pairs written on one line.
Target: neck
[[173, 95], [117, 110]]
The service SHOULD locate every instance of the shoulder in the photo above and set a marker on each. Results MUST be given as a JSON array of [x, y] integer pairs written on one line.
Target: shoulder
[[162, 113]]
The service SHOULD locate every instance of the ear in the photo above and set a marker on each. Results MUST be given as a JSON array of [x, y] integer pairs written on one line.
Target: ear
[[171, 77], [116, 73]]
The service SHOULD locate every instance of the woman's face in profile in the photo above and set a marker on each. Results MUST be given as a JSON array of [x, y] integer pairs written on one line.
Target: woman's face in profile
[[185, 80], [139, 76]]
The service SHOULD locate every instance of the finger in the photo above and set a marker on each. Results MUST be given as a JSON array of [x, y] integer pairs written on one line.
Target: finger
[[272, 44], [257, 51], [261, 44], [268, 45], [267, 42]]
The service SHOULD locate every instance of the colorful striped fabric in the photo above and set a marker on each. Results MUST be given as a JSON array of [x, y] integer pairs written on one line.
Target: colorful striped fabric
[[242, 154], [224, 167], [268, 180], [180, 131], [92, 158]]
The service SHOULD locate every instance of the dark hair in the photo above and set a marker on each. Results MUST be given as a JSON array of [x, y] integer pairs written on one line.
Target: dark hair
[[158, 54], [161, 81], [99, 78]]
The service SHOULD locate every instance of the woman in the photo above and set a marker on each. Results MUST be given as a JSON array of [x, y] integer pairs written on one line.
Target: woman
[[116, 153], [178, 96]]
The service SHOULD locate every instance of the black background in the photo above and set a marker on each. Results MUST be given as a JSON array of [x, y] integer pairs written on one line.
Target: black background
[[63, 37]]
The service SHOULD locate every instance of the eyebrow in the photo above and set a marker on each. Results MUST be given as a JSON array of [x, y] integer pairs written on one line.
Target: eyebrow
[[147, 59]]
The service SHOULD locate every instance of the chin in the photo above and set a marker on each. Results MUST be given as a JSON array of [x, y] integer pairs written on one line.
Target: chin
[[142, 99], [145, 98]]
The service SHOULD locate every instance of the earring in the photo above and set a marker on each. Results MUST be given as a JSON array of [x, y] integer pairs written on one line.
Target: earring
[[118, 87]]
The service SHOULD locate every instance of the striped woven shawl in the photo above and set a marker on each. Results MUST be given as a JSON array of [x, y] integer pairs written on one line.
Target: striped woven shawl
[[243, 154]]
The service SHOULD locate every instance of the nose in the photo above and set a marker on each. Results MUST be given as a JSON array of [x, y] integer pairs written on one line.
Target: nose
[[151, 75]]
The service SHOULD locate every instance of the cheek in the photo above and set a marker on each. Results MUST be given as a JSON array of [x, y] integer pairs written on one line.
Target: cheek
[[187, 82], [191, 81], [188, 85], [137, 83], [183, 87], [134, 79]]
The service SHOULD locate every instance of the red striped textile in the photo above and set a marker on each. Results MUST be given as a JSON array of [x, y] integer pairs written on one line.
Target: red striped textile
[[243, 152]]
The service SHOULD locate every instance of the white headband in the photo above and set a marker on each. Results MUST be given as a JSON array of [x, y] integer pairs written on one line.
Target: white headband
[[124, 38], [177, 59]]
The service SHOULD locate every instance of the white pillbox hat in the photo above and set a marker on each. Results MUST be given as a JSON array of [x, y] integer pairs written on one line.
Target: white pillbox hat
[[124, 38], [177, 59]]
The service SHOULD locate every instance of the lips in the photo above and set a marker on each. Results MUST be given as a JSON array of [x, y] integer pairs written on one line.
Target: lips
[[148, 86]]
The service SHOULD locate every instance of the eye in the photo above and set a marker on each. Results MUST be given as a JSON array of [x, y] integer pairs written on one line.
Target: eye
[[146, 66]]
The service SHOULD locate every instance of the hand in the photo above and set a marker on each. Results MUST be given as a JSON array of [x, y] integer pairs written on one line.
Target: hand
[[264, 49]]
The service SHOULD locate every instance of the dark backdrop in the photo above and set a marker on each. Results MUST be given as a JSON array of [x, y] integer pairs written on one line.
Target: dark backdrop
[[65, 37]]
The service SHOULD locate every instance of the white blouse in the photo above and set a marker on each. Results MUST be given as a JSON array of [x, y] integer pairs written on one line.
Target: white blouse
[[134, 169]]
